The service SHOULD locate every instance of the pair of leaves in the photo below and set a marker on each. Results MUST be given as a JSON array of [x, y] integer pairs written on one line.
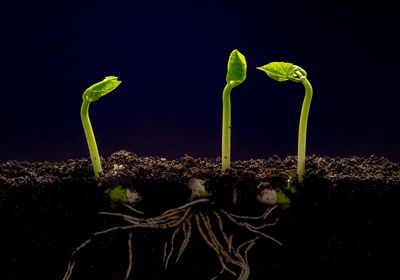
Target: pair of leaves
[[278, 71], [96, 91], [237, 69]]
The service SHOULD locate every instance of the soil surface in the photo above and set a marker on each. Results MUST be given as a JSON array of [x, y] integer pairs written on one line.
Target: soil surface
[[344, 223]]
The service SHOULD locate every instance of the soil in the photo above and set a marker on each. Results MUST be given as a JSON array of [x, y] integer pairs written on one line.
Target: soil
[[343, 223]]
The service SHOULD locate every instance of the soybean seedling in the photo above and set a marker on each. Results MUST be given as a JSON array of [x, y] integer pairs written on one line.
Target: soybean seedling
[[236, 74], [283, 71], [94, 93]]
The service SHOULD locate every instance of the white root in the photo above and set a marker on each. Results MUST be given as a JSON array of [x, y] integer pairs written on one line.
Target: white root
[[130, 258], [180, 219]]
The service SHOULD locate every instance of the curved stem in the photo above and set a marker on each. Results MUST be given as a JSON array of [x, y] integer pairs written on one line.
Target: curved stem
[[226, 128], [91, 140], [301, 147]]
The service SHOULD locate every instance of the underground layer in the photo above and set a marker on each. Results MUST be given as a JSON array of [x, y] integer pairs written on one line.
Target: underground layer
[[187, 220]]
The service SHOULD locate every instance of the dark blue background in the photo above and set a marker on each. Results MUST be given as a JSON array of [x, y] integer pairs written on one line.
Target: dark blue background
[[171, 57]]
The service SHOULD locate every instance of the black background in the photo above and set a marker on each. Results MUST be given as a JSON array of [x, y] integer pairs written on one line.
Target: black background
[[171, 57]]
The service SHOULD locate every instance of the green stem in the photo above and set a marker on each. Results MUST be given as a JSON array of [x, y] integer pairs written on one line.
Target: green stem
[[226, 128], [301, 148], [91, 140]]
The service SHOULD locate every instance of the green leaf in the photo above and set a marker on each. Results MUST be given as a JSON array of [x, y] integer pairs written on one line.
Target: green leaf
[[237, 68], [118, 194], [94, 92], [279, 71]]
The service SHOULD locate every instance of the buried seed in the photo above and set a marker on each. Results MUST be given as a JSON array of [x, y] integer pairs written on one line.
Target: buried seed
[[267, 197]]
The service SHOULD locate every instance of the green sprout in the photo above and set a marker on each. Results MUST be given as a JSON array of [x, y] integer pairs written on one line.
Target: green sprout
[[283, 71], [94, 93], [236, 75]]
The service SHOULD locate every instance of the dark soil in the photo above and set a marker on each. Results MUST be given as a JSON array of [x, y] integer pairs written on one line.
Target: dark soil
[[344, 223]]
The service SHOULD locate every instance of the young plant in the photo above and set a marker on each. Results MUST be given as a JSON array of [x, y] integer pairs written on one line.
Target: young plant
[[90, 95], [236, 75], [283, 71]]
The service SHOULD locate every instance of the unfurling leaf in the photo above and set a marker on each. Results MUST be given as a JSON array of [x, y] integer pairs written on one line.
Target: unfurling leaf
[[279, 71], [94, 92], [237, 68]]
